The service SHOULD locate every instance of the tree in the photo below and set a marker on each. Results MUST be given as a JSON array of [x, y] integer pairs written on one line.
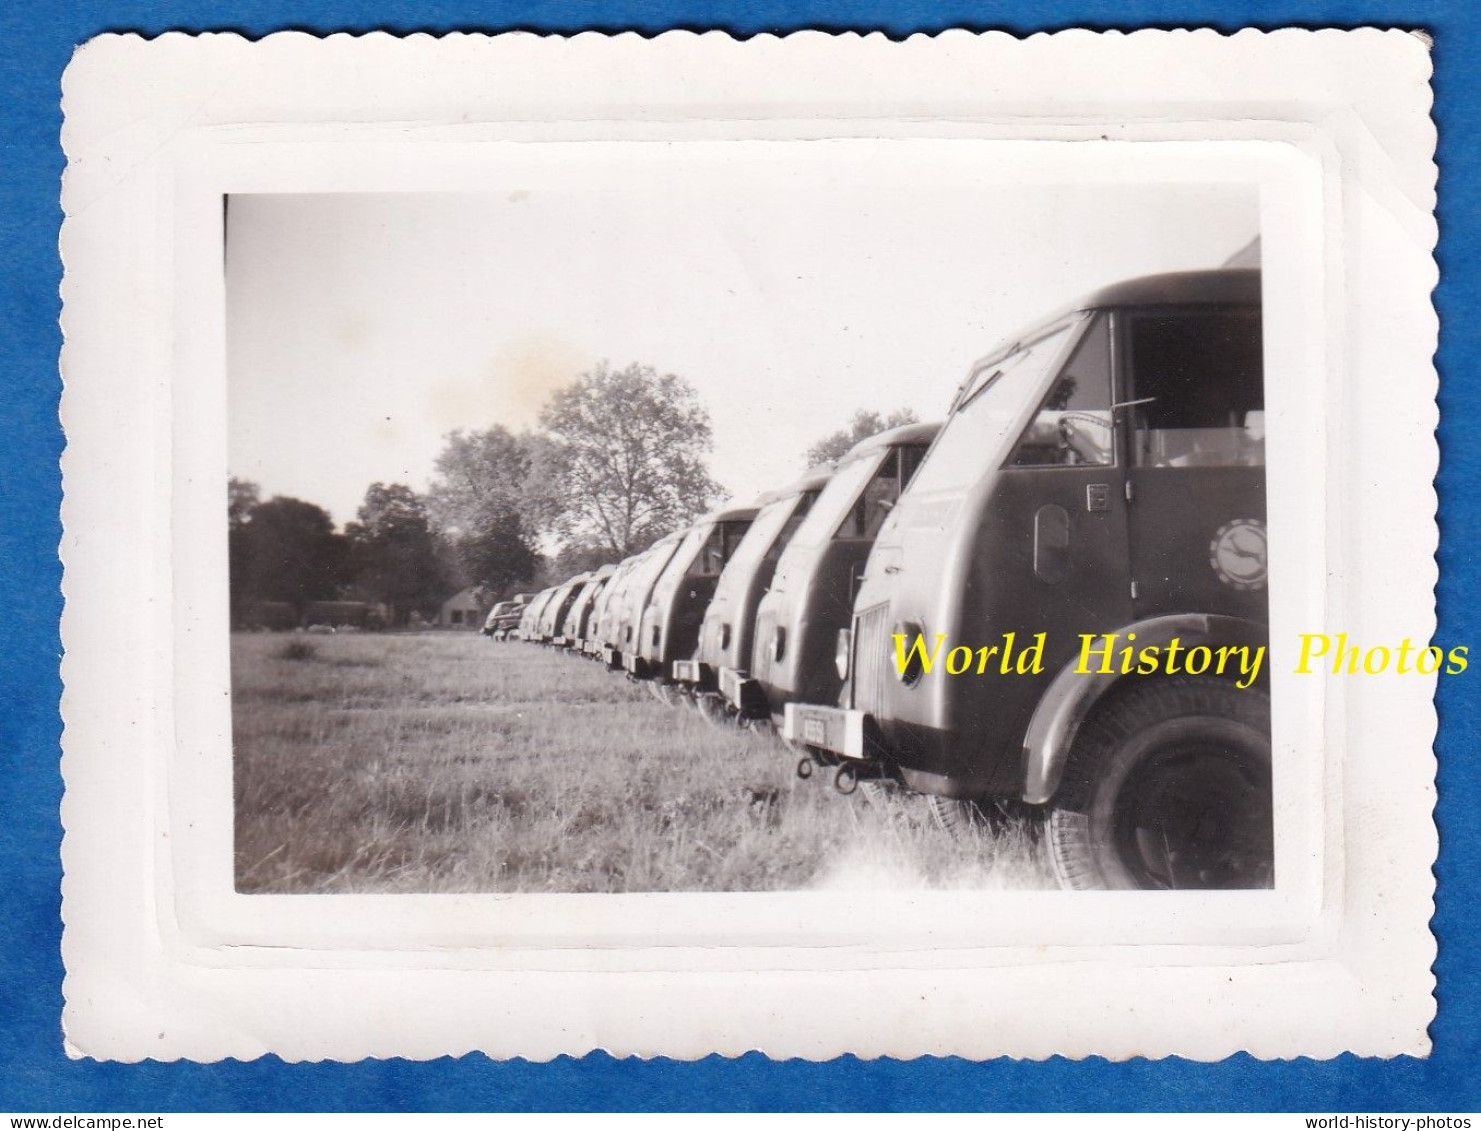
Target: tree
[[486, 506], [392, 554], [865, 423], [626, 458], [289, 552], [577, 557], [242, 496]]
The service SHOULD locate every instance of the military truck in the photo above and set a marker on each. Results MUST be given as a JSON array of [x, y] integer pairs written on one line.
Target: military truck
[[811, 598], [1099, 485], [619, 638], [668, 627], [529, 622], [730, 618], [573, 628], [610, 592], [556, 608]]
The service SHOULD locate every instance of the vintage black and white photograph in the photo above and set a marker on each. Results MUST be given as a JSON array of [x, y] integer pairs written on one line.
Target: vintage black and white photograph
[[772, 522], [689, 546]]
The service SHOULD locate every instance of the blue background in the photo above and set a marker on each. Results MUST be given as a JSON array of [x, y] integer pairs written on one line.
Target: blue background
[[38, 38]]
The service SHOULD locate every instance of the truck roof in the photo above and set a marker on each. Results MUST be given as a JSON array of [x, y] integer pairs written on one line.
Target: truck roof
[[1225, 287], [725, 514], [1180, 288], [813, 479], [922, 433]]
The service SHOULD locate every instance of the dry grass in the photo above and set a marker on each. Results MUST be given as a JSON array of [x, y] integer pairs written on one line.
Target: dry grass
[[447, 763]]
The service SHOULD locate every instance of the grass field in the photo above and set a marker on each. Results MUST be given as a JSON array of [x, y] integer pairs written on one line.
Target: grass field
[[448, 763]]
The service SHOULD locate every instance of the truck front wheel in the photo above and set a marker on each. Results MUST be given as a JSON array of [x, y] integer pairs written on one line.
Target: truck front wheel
[[1168, 786]]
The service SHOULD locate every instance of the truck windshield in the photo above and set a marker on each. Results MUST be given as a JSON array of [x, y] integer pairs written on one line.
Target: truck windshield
[[647, 573], [764, 533], [999, 395], [836, 500]]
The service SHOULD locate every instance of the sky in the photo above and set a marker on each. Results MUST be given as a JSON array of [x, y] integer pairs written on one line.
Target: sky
[[789, 286]]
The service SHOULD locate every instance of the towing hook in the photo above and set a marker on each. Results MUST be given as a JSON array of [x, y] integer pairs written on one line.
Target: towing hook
[[846, 779], [805, 768]]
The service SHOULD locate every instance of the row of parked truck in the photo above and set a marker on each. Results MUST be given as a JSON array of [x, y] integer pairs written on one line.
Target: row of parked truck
[[920, 611]]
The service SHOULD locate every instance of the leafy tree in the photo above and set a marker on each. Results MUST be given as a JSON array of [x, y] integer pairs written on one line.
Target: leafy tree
[[577, 558], [242, 496], [865, 423], [485, 506], [288, 551], [626, 457], [392, 552]]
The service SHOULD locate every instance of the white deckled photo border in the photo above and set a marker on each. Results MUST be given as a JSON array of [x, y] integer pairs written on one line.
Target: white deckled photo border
[[166, 960]]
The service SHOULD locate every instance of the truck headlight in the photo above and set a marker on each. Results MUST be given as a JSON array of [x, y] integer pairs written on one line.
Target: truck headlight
[[843, 651], [911, 673]]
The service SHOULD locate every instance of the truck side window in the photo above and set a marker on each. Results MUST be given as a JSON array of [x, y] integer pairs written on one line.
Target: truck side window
[[1202, 378], [718, 547], [910, 459], [1073, 425], [874, 502], [710, 559]]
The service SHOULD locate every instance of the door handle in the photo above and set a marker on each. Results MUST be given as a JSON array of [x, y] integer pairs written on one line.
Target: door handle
[[890, 569], [1051, 544]]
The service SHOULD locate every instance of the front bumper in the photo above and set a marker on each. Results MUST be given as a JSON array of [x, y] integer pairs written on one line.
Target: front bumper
[[611, 657], [694, 673], [744, 694], [637, 667], [841, 731]]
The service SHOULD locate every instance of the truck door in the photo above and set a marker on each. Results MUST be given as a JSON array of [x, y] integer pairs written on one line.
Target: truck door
[[1194, 427], [1059, 511]]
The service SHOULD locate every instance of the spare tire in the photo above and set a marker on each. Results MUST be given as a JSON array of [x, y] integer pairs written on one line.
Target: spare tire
[[1168, 786]]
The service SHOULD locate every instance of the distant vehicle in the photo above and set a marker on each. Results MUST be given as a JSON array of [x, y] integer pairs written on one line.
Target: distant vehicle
[[811, 597], [724, 650], [611, 591], [504, 618], [573, 628], [1101, 475], [675, 606], [529, 621], [554, 613], [620, 632]]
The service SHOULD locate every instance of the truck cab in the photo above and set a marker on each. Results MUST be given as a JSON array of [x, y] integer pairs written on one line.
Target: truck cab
[[554, 614], [621, 640], [671, 614], [1100, 483], [607, 599], [575, 627], [529, 621], [811, 596], [724, 651]]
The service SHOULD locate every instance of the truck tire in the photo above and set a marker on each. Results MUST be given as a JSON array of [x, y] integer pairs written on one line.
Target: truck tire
[[1168, 786], [995, 816]]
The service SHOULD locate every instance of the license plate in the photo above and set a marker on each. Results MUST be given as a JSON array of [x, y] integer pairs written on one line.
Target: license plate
[[814, 731]]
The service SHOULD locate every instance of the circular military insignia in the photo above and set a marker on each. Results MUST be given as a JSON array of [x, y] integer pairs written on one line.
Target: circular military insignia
[[1239, 554]]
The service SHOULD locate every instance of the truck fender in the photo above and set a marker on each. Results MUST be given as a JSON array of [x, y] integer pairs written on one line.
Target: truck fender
[[1073, 695]]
